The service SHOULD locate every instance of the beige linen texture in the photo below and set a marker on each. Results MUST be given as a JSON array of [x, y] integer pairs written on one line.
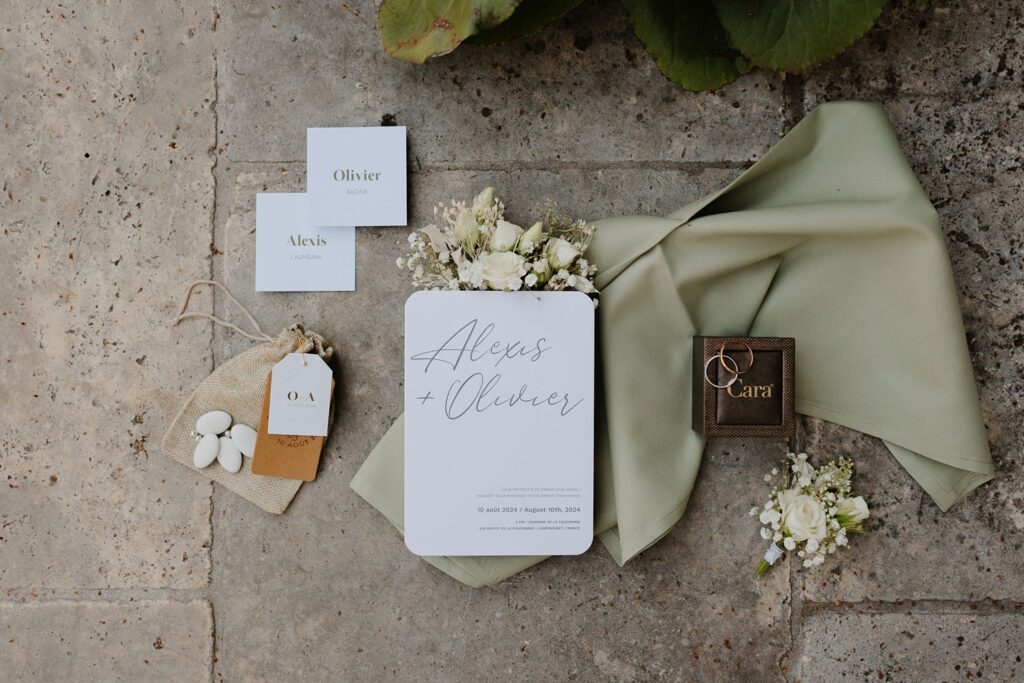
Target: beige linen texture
[[238, 387]]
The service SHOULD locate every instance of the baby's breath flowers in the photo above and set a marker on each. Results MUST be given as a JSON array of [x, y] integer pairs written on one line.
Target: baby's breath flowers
[[473, 247], [810, 511]]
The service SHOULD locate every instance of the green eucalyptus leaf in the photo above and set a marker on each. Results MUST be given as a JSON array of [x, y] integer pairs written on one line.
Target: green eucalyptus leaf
[[794, 35], [687, 41], [415, 30], [530, 17]]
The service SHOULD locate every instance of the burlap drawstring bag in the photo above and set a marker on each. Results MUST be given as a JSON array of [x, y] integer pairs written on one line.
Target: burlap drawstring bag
[[238, 387]]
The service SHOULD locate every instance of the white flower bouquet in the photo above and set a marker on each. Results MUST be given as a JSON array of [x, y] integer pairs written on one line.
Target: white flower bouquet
[[810, 511], [473, 247]]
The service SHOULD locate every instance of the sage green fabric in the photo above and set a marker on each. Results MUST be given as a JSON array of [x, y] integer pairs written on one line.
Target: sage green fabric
[[828, 239]]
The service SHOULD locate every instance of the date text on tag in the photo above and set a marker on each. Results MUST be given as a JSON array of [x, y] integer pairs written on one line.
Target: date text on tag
[[300, 395]]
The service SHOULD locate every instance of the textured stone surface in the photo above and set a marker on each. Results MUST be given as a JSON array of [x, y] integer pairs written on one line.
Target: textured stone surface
[[581, 90], [107, 196], [334, 566], [912, 550], [912, 647], [153, 640], [135, 136], [963, 48]]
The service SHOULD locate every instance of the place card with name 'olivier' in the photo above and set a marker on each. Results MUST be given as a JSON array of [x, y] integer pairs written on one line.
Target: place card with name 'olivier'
[[356, 176]]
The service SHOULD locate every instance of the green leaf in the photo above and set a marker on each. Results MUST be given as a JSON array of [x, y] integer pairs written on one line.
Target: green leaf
[[687, 41], [415, 30], [794, 35], [530, 17]]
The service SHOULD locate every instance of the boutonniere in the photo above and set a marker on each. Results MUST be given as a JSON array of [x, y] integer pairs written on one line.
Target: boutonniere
[[810, 511]]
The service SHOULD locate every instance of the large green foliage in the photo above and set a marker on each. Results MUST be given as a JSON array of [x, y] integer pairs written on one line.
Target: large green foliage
[[687, 42], [415, 30], [794, 35], [699, 44]]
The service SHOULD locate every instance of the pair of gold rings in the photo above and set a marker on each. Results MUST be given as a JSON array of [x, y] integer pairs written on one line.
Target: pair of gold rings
[[727, 361]]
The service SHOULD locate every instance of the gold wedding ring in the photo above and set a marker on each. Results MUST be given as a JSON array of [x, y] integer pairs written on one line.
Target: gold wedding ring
[[725, 361], [750, 359]]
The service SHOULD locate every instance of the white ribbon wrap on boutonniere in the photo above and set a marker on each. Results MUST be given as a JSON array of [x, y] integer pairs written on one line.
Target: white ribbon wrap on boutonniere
[[773, 554]]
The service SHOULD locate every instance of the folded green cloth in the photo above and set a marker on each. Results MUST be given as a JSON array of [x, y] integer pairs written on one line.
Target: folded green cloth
[[828, 239]]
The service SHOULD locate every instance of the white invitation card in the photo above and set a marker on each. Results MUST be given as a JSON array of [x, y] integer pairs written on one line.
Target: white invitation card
[[291, 256], [356, 176], [499, 423]]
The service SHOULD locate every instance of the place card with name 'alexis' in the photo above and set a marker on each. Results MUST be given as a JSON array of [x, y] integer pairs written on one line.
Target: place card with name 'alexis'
[[356, 176], [499, 423], [291, 256]]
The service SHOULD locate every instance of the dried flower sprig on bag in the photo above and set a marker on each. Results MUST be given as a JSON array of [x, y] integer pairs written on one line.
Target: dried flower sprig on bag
[[473, 247], [810, 511]]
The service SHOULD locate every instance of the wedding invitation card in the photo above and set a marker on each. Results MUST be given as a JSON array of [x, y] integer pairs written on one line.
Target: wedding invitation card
[[356, 176], [291, 256], [499, 423]]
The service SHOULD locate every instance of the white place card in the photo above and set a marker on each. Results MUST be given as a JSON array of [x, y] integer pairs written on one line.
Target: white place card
[[293, 257], [300, 395], [356, 176], [499, 423]]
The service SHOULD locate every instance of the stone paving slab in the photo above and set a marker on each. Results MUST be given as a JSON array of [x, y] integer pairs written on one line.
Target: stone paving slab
[[151, 640], [113, 119], [582, 90], [340, 596], [105, 211], [912, 647]]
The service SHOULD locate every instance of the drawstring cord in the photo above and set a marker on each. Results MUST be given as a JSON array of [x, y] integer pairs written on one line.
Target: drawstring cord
[[182, 315]]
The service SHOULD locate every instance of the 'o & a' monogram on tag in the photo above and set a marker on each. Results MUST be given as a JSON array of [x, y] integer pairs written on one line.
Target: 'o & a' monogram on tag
[[300, 395]]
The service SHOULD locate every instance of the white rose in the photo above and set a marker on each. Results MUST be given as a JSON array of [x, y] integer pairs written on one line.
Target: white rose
[[505, 236], [852, 510], [802, 516], [503, 271], [560, 253], [467, 230], [483, 201]]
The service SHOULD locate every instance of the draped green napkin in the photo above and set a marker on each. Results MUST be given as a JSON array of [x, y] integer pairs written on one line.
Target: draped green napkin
[[828, 239]]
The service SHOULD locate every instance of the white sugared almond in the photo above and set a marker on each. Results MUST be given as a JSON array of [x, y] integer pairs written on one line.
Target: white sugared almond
[[213, 422], [206, 451], [244, 437], [229, 457]]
